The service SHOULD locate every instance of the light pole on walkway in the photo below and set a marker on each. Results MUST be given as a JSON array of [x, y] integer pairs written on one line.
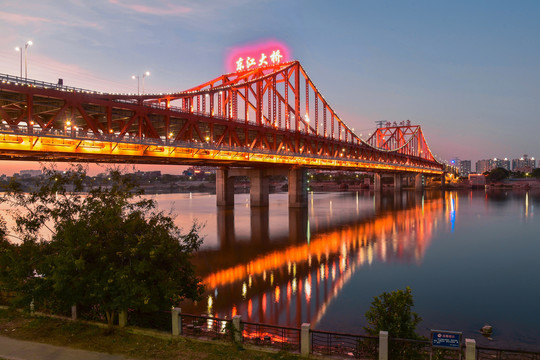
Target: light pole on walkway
[[20, 49], [147, 73]]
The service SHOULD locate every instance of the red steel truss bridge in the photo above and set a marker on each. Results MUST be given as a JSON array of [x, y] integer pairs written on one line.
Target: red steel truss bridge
[[262, 117]]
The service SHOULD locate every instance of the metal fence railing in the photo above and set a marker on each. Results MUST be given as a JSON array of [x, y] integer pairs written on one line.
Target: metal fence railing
[[206, 326], [333, 344], [409, 349], [485, 353], [344, 345], [421, 350], [303, 340], [285, 338]]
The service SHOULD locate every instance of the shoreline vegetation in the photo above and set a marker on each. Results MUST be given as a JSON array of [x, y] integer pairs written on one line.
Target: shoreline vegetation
[[153, 182]]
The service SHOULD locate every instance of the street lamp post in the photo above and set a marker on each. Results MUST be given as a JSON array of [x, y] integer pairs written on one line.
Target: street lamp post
[[20, 49], [147, 73], [26, 58]]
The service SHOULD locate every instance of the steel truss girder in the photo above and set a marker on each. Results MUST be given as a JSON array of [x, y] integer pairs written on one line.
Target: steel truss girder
[[152, 120]]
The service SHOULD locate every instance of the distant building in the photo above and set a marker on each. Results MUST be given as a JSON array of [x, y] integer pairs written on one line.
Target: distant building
[[524, 164], [482, 166], [148, 174], [465, 167], [200, 171], [30, 173], [477, 180], [487, 165], [207, 170], [499, 163]]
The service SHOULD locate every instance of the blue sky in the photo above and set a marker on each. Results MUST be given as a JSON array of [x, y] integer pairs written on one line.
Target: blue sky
[[467, 71]]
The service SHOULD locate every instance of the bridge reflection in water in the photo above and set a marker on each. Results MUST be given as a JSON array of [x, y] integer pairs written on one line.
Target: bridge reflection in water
[[293, 280]]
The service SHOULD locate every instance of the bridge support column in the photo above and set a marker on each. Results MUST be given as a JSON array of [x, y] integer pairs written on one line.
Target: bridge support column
[[297, 188], [443, 180], [397, 182], [259, 188], [377, 183], [224, 188], [418, 186]]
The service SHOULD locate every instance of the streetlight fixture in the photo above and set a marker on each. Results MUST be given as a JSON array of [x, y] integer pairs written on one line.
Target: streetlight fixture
[[20, 49], [147, 73]]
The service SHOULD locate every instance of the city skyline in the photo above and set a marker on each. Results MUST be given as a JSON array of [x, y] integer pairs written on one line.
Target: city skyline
[[465, 72]]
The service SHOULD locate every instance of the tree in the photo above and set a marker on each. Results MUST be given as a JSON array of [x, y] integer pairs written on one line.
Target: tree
[[109, 247], [392, 312], [498, 174], [536, 173]]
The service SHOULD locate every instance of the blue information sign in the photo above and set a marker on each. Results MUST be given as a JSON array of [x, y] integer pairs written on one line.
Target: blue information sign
[[446, 339]]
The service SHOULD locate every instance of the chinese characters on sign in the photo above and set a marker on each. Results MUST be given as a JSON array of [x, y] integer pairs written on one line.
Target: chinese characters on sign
[[401, 123], [446, 339], [249, 62]]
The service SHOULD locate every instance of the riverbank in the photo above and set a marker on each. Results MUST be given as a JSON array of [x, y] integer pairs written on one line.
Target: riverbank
[[130, 343]]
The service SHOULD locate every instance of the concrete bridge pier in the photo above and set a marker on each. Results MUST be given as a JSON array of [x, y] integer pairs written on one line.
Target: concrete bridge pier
[[418, 186], [397, 181], [297, 188], [224, 188], [377, 183], [260, 185], [259, 188]]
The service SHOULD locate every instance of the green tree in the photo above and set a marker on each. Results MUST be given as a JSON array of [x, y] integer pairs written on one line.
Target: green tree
[[18, 264], [536, 173], [392, 312], [109, 247], [498, 174]]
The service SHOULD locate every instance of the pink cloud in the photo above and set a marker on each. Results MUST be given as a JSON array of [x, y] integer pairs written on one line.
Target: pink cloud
[[24, 20], [19, 19], [162, 8]]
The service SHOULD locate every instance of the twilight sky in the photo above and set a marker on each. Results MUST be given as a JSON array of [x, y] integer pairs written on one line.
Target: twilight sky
[[468, 72]]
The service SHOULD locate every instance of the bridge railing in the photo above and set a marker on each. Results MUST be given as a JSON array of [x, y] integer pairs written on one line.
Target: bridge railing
[[81, 135], [10, 79], [78, 134]]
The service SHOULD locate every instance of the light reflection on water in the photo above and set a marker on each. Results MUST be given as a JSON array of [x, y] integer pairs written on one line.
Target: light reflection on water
[[324, 264], [471, 258]]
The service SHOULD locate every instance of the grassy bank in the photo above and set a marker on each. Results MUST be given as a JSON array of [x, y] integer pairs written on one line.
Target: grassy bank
[[127, 342]]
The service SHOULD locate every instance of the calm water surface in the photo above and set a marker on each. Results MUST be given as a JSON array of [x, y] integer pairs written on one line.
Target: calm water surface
[[471, 258]]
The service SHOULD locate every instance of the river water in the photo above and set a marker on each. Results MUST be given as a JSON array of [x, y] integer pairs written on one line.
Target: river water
[[471, 258]]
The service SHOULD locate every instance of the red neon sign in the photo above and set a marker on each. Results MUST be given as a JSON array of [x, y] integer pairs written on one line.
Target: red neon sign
[[252, 56]]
